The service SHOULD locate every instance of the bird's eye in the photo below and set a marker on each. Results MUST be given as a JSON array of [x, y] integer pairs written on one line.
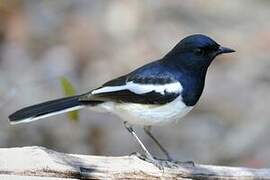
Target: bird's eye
[[199, 51]]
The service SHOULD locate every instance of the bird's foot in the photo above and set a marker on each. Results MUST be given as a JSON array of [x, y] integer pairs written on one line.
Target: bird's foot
[[169, 162], [174, 163], [166, 159], [185, 163], [138, 155], [158, 163], [161, 163]]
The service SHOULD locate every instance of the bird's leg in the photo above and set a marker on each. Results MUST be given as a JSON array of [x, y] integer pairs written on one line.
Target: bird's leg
[[132, 132], [147, 130], [147, 153]]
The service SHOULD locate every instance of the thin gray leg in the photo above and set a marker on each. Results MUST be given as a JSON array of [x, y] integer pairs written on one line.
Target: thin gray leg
[[147, 153], [147, 130]]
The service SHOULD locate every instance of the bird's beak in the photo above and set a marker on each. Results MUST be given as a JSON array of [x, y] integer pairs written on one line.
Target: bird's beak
[[223, 50]]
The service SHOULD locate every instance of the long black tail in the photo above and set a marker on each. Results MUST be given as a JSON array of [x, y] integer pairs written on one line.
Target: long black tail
[[46, 109]]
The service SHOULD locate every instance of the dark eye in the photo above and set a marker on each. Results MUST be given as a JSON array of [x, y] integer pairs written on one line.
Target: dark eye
[[199, 51]]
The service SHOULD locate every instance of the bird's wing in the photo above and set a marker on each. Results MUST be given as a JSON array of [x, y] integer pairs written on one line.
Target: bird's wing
[[143, 88]]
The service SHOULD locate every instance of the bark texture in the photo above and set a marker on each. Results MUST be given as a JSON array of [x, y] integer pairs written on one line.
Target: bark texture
[[41, 163]]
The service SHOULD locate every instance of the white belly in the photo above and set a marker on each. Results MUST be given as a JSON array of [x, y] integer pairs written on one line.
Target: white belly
[[149, 115]]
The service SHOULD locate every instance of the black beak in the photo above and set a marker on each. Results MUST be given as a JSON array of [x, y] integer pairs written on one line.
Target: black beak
[[223, 50]]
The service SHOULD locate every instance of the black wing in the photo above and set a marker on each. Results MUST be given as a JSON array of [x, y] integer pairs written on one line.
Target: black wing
[[137, 88]]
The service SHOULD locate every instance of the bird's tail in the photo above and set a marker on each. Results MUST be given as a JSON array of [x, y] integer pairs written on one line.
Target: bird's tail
[[46, 109]]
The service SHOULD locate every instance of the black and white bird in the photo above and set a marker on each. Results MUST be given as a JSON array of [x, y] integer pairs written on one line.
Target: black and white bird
[[155, 94]]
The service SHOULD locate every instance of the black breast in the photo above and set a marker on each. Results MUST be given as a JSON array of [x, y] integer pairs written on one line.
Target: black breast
[[192, 89]]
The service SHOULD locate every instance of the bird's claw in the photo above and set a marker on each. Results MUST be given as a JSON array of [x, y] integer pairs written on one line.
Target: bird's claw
[[174, 164], [185, 163], [158, 163], [161, 163], [138, 155]]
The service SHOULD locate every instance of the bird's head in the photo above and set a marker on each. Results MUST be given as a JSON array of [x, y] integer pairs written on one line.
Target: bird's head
[[196, 52]]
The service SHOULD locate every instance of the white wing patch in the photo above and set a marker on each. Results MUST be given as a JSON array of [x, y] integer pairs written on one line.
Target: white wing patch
[[136, 88]]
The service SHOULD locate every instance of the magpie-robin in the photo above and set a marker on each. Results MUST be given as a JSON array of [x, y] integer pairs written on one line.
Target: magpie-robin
[[157, 93]]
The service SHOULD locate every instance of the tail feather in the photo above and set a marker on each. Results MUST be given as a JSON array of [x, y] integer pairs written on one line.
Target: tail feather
[[46, 109]]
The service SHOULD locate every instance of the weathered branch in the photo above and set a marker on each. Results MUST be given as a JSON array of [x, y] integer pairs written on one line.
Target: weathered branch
[[42, 162]]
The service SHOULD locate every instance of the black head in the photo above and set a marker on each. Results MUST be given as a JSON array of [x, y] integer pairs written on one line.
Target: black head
[[196, 52]]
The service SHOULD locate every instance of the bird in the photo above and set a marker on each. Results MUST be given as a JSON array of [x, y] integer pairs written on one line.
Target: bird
[[158, 93]]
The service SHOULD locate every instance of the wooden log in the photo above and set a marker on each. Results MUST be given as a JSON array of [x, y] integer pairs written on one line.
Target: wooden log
[[41, 163]]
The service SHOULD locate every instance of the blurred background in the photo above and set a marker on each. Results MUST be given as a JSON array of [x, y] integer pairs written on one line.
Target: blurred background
[[90, 42]]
